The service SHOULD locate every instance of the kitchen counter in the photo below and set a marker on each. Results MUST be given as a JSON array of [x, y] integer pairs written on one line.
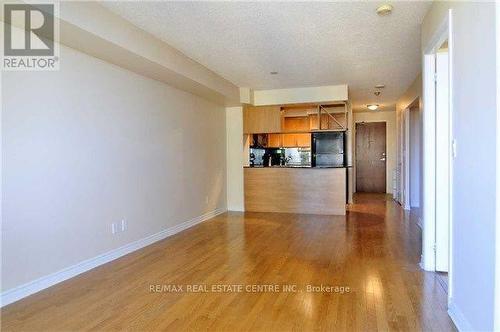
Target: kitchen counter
[[307, 190], [296, 166]]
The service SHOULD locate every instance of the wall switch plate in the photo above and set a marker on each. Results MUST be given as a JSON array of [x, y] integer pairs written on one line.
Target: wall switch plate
[[453, 148], [114, 229], [123, 225]]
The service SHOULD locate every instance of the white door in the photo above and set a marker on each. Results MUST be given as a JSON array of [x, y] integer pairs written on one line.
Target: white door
[[443, 153]]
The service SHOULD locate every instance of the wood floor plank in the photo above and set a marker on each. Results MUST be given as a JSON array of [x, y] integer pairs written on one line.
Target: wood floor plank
[[374, 250]]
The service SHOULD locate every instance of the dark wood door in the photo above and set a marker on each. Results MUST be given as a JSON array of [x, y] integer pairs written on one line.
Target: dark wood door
[[371, 157]]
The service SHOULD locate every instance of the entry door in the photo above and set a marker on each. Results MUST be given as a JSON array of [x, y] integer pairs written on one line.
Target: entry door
[[371, 157]]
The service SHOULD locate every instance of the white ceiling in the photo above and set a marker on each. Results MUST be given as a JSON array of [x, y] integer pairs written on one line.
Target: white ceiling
[[309, 44]]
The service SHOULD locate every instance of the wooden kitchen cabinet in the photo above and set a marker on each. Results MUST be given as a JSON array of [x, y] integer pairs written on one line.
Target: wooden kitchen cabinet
[[289, 140], [295, 124], [261, 119], [303, 140], [327, 123], [274, 140], [313, 122], [297, 140]]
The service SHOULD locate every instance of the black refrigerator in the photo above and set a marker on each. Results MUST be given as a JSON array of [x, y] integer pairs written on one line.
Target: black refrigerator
[[328, 149]]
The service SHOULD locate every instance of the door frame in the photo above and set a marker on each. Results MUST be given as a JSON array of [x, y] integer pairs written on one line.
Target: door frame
[[428, 262], [443, 163], [404, 142], [405, 160], [355, 153]]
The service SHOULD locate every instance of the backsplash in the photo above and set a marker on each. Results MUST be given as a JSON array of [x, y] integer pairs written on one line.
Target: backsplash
[[280, 156], [298, 156]]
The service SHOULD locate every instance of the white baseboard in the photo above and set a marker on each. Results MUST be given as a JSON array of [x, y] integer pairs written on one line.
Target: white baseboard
[[22, 291], [458, 317], [236, 209], [420, 223]]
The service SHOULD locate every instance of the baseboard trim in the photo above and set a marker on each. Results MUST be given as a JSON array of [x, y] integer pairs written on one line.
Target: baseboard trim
[[420, 223], [236, 209], [458, 318], [22, 291]]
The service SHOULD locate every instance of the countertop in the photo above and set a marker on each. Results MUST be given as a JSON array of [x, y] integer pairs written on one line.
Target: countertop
[[298, 166]]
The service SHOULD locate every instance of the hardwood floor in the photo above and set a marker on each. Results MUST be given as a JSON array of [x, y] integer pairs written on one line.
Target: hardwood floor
[[374, 251]]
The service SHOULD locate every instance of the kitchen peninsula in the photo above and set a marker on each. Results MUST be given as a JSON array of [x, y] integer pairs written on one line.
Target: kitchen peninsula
[[305, 190], [296, 158]]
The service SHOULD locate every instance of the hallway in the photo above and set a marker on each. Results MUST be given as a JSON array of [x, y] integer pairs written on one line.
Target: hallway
[[374, 251]]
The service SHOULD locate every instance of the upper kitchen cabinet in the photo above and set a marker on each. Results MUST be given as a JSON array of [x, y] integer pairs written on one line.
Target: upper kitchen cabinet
[[274, 141], [295, 123], [331, 121], [261, 119], [301, 140]]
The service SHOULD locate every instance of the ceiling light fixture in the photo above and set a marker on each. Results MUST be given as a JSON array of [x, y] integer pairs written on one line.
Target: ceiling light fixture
[[379, 86], [372, 107], [384, 10]]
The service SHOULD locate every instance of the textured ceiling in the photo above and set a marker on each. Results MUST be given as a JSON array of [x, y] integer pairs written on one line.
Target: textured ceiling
[[308, 44]]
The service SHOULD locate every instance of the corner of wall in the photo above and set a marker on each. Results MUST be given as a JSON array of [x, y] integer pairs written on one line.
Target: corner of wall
[[246, 96], [234, 158]]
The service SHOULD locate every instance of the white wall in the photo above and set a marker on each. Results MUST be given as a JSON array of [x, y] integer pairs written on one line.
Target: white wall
[[91, 28], [91, 144], [316, 94], [390, 118], [235, 147], [497, 270], [474, 128]]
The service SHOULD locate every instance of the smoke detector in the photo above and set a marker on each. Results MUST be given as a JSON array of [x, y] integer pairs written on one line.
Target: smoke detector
[[384, 10], [379, 86]]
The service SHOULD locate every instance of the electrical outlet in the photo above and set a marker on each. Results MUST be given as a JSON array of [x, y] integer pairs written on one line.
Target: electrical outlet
[[124, 225], [114, 229]]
